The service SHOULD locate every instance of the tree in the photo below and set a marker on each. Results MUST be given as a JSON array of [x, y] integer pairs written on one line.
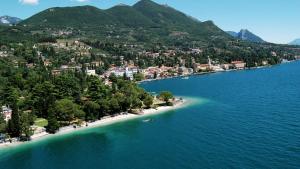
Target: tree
[[96, 89], [92, 110], [67, 85], [14, 126], [138, 77], [43, 96], [26, 130], [53, 124], [10, 95], [2, 124], [166, 96], [104, 107], [114, 106], [113, 78], [155, 75], [148, 101], [67, 111], [136, 103]]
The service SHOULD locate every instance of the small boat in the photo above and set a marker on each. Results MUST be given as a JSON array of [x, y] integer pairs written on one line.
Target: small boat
[[147, 120], [185, 78]]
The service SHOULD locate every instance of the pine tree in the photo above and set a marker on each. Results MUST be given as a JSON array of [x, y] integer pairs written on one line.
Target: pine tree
[[53, 125]]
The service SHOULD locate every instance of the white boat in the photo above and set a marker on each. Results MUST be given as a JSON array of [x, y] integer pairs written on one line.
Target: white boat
[[147, 120], [185, 78]]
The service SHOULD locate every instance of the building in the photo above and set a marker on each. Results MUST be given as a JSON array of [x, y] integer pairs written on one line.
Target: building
[[201, 67], [121, 71], [226, 66], [47, 62], [183, 71], [91, 72], [6, 112], [56, 72], [265, 62], [238, 64], [217, 68]]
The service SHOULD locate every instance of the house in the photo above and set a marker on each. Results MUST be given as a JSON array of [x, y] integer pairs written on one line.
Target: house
[[30, 65], [201, 67], [238, 64], [47, 62], [196, 51], [56, 72], [265, 62], [226, 66], [129, 73], [96, 63], [217, 68], [91, 72], [184, 71], [6, 112]]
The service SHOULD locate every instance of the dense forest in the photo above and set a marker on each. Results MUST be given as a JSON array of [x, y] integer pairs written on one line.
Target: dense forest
[[70, 98]]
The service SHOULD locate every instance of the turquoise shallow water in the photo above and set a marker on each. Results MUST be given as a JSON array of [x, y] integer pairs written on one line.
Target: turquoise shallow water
[[244, 119]]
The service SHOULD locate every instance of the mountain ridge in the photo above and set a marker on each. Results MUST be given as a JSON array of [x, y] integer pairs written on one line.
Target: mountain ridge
[[295, 42], [246, 35], [144, 21], [9, 20]]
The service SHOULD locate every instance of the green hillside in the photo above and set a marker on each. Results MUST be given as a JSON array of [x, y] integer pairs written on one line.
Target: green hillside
[[145, 22], [76, 17], [128, 16]]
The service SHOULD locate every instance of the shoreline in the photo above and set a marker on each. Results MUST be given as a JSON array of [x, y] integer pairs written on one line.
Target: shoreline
[[109, 120], [212, 72], [99, 123]]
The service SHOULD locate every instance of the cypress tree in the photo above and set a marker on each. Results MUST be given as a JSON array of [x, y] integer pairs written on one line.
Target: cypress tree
[[53, 125], [14, 126]]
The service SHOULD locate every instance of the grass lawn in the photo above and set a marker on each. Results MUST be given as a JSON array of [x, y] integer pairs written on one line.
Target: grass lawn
[[41, 122]]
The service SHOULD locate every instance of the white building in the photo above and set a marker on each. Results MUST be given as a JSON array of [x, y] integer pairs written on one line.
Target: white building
[[6, 111], [91, 72], [128, 71]]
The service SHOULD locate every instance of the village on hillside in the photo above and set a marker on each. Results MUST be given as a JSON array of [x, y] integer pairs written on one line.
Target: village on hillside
[[77, 51]]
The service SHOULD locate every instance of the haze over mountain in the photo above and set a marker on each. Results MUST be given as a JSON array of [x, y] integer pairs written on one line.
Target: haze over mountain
[[246, 35], [8, 20], [295, 42]]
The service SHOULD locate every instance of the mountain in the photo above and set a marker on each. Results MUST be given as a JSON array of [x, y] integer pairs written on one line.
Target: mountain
[[129, 16], [232, 33], [166, 16], [8, 20], [146, 21], [77, 17], [295, 42], [246, 35]]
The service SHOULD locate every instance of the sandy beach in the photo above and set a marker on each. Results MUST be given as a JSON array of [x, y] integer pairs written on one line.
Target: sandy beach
[[103, 122]]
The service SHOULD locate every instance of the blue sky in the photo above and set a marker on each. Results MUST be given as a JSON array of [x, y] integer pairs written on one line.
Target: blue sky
[[274, 20]]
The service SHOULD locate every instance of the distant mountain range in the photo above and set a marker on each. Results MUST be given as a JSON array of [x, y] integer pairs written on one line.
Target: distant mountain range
[[246, 35], [8, 20], [295, 42]]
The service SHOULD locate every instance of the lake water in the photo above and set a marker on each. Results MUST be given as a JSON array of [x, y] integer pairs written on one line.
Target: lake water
[[243, 119]]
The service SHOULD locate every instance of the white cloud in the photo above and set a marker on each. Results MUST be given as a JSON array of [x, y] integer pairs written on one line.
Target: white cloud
[[29, 2], [81, 0]]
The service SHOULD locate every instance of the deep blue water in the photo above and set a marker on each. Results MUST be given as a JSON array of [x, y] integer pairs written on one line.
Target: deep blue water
[[244, 119]]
